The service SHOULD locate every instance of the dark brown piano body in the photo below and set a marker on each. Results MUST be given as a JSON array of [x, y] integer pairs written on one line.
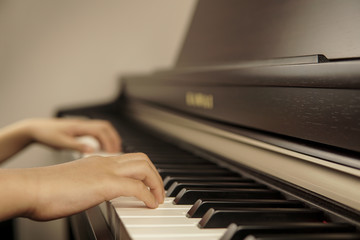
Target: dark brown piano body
[[284, 73]]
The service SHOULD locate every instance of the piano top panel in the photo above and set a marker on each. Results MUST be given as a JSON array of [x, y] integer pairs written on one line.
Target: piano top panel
[[231, 30]]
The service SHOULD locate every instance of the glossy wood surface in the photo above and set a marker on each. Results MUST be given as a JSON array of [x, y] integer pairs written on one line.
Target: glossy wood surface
[[231, 30]]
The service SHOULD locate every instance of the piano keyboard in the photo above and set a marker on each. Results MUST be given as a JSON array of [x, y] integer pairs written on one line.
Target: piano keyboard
[[206, 201], [168, 221]]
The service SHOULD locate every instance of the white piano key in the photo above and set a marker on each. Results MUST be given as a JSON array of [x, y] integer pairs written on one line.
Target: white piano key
[[131, 202], [176, 237], [165, 221], [168, 221], [153, 213], [171, 232], [94, 143], [125, 200], [130, 208], [134, 202], [90, 141]]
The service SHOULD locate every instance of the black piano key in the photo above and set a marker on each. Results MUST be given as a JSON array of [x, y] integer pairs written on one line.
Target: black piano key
[[202, 206], [312, 236], [191, 195], [176, 187], [235, 232], [195, 172], [247, 216], [168, 181]]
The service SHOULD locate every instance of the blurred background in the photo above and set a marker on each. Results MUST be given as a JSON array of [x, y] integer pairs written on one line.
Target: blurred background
[[58, 54]]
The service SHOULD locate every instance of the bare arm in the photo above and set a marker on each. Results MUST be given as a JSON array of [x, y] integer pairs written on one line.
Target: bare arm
[[56, 191], [52, 192], [57, 133], [13, 138]]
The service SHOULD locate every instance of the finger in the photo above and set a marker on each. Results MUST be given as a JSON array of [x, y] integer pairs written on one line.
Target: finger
[[64, 141], [114, 143], [104, 140], [89, 141], [148, 175], [136, 188], [156, 188], [141, 170], [96, 133], [115, 138], [104, 132], [140, 156]]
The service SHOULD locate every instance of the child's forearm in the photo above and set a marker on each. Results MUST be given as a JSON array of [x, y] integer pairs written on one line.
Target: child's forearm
[[13, 139], [16, 193]]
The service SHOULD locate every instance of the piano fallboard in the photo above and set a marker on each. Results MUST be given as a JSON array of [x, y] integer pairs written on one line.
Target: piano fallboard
[[314, 102]]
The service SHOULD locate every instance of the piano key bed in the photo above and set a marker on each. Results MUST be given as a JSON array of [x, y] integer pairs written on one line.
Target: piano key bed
[[207, 201]]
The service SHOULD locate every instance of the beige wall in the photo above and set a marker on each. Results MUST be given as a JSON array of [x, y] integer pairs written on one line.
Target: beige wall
[[64, 53]]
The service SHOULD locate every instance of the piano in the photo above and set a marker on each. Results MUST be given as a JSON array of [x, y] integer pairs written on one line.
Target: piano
[[255, 130]]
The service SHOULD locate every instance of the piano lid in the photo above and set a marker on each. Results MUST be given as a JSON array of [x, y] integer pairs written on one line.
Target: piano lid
[[229, 31]]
